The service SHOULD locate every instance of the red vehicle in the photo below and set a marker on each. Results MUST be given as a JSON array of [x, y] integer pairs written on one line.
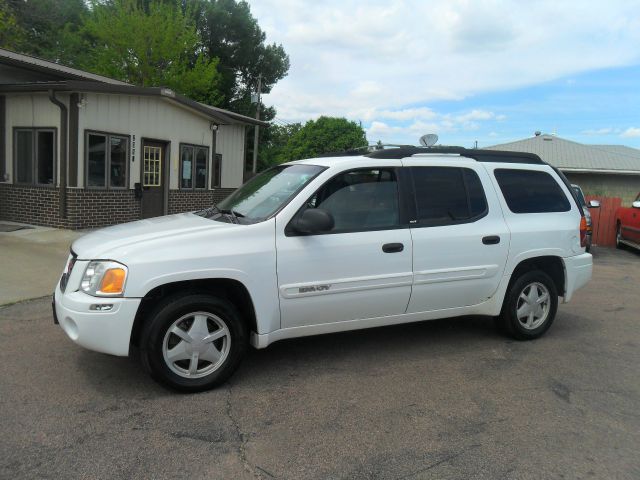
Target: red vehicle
[[628, 225]]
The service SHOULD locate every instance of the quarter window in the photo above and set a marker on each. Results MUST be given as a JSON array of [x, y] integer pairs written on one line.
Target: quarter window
[[35, 154], [530, 191], [360, 200], [193, 166], [107, 156], [447, 195]]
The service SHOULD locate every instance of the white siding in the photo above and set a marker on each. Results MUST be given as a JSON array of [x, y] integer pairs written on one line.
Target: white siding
[[134, 116], [231, 144], [32, 110], [142, 117]]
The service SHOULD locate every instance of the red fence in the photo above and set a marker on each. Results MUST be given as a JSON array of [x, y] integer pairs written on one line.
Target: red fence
[[604, 220]]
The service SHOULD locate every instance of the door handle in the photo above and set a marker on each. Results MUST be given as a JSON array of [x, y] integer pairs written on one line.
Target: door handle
[[392, 247], [491, 240]]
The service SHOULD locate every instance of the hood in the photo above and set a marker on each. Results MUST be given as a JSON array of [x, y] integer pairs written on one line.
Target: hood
[[103, 243]]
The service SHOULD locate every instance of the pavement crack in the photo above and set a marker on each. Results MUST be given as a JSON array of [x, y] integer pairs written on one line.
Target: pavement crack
[[242, 452], [446, 459]]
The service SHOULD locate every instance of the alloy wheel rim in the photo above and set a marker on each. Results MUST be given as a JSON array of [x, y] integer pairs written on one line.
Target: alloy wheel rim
[[196, 345], [533, 305]]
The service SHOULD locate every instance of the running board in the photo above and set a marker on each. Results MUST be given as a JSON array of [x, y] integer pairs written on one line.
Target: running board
[[630, 243]]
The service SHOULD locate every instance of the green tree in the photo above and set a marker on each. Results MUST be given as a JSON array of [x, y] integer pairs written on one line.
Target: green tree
[[324, 135], [12, 35], [272, 149], [230, 32], [149, 45], [44, 25]]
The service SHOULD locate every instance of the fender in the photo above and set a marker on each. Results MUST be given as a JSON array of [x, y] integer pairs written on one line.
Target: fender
[[265, 300]]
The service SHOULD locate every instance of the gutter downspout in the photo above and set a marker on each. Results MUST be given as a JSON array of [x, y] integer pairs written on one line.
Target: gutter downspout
[[63, 153]]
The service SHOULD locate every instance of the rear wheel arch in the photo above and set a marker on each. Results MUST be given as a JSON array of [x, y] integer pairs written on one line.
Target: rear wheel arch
[[230, 289], [549, 264]]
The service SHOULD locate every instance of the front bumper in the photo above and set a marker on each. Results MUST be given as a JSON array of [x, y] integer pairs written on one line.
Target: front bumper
[[102, 331], [578, 270]]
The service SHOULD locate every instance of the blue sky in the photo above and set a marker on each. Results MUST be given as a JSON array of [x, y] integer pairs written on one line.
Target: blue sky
[[599, 106], [487, 70]]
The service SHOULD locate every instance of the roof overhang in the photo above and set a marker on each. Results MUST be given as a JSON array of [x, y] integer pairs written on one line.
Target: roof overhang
[[35, 64], [218, 115]]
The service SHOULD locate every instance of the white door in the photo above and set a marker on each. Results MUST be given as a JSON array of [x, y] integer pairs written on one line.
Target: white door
[[361, 268], [460, 238]]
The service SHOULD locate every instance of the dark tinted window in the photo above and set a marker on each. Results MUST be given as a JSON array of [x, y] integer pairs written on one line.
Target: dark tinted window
[[446, 195], [360, 200], [528, 191]]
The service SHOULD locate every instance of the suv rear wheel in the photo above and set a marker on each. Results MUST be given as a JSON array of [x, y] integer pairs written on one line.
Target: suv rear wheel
[[530, 305], [193, 342]]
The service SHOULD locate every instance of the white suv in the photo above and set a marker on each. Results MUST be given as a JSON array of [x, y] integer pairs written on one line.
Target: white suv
[[326, 245]]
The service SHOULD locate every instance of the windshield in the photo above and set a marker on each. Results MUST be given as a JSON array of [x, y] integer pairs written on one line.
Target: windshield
[[266, 193]]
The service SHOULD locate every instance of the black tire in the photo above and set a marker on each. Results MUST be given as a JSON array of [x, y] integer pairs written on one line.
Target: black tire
[[509, 318], [619, 236], [174, 308]]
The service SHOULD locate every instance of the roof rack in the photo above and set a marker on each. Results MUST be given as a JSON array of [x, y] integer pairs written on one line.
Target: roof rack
[[476, 154]]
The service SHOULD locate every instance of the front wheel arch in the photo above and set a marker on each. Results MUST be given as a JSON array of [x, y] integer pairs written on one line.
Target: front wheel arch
[[232, 289]]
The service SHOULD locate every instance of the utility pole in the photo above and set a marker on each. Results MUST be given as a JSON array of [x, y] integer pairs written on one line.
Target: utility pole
[[256, 131]]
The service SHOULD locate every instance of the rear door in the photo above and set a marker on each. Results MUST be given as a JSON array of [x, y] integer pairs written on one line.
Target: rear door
[[460, 238], [361, 268]]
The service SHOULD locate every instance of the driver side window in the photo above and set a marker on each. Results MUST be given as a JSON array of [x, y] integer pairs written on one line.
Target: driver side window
[[360, 200]]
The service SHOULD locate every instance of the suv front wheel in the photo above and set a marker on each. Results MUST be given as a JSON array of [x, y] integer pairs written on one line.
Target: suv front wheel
[[530, 305], [193, 342]]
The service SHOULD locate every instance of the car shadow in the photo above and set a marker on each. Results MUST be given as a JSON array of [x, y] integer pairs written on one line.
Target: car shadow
[[125, 377]]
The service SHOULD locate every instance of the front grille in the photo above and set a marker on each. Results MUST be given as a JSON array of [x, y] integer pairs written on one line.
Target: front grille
[[67, 271]]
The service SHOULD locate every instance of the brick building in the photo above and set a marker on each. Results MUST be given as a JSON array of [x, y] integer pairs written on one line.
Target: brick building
[[79, 150]]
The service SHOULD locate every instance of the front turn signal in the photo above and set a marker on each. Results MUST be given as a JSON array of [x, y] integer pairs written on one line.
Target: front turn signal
[[113, 281]]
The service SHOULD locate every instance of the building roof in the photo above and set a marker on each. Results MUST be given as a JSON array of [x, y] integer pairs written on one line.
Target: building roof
[[571, 156], [49, 69], [53, 77]]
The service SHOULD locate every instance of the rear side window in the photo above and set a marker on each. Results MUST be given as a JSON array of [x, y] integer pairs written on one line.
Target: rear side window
[[447, 195], [528, 191]]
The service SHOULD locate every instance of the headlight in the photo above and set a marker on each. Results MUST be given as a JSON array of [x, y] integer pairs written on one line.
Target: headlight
[[104, 278]]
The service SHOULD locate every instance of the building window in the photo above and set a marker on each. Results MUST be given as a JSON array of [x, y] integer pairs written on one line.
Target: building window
[[152, 168], [216, 171], [107, 156], [193, 166], [35, 155]]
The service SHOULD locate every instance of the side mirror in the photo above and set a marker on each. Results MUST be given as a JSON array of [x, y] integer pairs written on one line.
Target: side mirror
[[636, 204], [313, 220], [594, 204]]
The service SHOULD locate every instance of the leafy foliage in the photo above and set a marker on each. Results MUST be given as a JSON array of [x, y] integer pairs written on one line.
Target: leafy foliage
[[324, 135], [43, 25], [153, 46], [229, 32], [272, 148], [11, 33]]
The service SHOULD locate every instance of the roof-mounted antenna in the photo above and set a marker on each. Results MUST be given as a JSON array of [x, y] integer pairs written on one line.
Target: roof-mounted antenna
[[428, 140]]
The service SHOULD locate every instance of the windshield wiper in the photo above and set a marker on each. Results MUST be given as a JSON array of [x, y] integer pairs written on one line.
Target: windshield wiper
[[235, 215]]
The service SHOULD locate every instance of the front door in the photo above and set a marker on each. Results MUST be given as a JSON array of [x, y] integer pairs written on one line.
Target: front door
[[361, 268], [153, 178]]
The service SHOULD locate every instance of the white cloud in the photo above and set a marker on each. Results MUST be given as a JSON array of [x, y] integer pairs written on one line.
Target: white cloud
[[386, 60], [598, 131], [631, 132]]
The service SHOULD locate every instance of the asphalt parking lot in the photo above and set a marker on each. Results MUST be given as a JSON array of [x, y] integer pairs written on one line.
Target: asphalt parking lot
[[444, 399]]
